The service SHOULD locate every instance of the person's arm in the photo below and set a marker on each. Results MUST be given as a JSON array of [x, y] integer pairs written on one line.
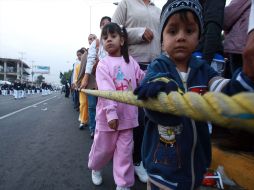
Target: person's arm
[[248, 53], [233, 12], [134, 33], [91, 57], [139, 74], [105, 82], [91, 60], [251, 17], [77, 68]]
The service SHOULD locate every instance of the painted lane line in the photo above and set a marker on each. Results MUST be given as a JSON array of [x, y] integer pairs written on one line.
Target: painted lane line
[[34, 105]]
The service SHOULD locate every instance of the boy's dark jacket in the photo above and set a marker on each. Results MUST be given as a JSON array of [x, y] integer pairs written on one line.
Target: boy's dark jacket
[[174, 163]]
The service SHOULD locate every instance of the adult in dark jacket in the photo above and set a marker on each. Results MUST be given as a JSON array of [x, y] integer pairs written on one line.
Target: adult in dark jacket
[[211, 41]]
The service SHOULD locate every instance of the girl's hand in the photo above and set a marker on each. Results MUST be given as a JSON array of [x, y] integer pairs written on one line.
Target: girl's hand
[[113, 124]]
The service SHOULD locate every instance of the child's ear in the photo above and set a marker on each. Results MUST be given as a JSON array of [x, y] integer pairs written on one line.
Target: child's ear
[[121, 41]]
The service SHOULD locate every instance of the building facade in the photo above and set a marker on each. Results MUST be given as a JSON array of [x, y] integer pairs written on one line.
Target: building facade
[[12, 69]]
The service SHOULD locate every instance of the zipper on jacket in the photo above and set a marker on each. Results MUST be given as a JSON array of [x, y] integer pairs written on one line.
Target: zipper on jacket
[[193, 153], [194, 131]]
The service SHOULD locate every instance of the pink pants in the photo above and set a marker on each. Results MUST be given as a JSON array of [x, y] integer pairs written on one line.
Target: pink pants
[[119, 146]]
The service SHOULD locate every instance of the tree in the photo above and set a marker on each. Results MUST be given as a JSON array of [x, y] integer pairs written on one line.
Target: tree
[[65, 76], [40, 79]]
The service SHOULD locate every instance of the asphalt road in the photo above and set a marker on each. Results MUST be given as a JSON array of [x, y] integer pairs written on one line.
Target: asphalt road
[[41, 147]]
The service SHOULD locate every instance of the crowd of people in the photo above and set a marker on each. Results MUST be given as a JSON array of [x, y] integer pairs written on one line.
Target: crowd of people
[[148, 51], [20, 90]]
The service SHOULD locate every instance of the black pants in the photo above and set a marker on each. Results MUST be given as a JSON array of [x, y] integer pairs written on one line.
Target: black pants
[[138, 134], [235, 62]]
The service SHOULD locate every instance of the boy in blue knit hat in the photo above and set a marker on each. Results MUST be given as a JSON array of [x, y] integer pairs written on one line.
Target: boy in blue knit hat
[[176, 150]]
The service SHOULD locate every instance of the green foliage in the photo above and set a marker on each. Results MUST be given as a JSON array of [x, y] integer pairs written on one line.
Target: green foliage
[[40, 79], [65, 76]]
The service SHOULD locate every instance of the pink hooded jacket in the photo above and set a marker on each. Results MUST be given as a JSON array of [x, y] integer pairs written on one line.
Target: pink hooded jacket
[[113, 73]]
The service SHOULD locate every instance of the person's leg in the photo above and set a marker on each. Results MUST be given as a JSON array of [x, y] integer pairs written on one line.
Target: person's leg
[[123, 169], [102, 150], [83, 108], [236, 62], [76, 99], [138, 133], [92, 101]]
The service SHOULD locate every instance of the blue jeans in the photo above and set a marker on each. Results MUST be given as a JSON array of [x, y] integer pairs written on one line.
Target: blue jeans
[[92, 101], [76, 99]]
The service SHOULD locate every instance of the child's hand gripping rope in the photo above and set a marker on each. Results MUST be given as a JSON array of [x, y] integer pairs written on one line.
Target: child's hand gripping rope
[[153, 88]]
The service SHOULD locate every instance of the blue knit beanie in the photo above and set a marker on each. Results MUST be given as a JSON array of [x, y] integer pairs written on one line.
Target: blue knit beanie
[[173, 6]]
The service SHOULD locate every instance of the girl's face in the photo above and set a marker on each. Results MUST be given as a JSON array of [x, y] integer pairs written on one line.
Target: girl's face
[[79, 56], [112, 43], [180, 38]]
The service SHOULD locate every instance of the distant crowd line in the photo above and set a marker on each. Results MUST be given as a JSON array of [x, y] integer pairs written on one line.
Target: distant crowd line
[[21, 90]]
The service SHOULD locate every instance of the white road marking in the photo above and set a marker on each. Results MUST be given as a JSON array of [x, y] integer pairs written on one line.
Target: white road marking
[[44, 109], [34, 105]]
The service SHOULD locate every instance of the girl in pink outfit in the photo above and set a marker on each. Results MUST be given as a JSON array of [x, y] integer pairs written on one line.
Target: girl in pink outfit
[[115, 121]]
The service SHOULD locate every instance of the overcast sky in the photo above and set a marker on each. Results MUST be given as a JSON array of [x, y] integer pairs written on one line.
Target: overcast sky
[[48, 32]]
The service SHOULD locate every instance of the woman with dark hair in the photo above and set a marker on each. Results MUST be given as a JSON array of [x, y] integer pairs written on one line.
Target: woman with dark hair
[[83, 106]]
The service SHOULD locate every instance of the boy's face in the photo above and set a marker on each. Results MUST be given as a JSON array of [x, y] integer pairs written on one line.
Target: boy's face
[[180, 38]]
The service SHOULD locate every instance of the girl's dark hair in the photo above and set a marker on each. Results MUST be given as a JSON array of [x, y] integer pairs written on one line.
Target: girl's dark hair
[[103, 18], [81, 51], [115, 28]]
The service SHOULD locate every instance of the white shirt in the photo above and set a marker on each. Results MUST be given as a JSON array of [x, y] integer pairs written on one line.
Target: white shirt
[[92, 54]]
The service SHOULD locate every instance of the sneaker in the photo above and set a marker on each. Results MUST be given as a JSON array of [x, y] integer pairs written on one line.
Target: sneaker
[[96, 177], [92, 135], [141, 172], [122, 188], [81, 126]]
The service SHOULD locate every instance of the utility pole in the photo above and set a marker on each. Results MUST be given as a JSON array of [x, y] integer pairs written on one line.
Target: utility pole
[[32, 72], [22, 53], [20, 67]]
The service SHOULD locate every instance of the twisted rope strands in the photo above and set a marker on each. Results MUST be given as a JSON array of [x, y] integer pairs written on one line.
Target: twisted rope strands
[[232, 112]]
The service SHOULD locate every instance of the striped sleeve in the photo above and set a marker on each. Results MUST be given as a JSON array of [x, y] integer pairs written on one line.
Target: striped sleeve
[[216, 84], [245, 82]]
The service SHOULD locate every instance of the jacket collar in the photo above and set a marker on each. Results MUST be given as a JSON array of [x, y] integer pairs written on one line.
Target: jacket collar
[[194, 65]]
